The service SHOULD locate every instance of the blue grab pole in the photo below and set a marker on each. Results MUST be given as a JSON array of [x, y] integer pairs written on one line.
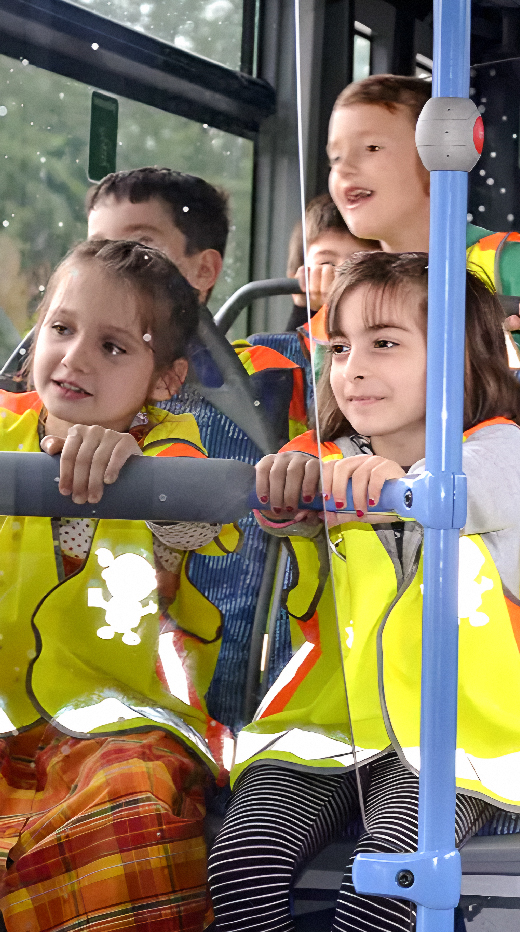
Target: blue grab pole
[[431, 876], [444, 425]]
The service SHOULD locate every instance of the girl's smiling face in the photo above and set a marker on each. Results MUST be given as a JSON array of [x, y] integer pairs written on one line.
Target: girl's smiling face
[[378, 369], [91, 364]]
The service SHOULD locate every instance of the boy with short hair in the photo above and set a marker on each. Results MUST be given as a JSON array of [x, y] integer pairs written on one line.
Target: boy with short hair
[[381, 187], [329, 242], [180, 214]]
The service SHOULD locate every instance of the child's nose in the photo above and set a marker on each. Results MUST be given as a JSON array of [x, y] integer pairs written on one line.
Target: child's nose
[[77, 355], [356, 367], [346, 164]]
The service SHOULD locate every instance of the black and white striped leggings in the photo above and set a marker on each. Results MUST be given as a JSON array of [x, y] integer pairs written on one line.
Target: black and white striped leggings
[[279, 818]]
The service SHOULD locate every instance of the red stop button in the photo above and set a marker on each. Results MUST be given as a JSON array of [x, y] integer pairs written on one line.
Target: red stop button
[[478, 134]]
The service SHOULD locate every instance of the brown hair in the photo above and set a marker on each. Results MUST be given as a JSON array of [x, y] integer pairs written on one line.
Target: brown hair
[[490, 388], [198, 209], [169, 309], [387, 90], [321, 215]]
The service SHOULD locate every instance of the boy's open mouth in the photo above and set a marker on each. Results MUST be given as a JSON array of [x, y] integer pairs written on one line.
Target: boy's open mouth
[[355, 195]]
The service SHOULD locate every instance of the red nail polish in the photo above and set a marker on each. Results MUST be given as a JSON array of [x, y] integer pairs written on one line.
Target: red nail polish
[[360, 514], [289, 508], [326, 496], [371, 502], [264, 499], [276, 510], [340, 504], [307, 498]]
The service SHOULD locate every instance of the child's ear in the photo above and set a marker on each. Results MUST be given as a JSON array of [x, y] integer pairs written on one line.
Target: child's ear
[[209, 267], [170, 382]]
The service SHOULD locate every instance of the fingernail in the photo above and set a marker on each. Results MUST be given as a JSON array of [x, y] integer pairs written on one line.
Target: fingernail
[[264, 499], [65, 491], [340, 504], [276, 510], [326, 496], [360, 514], [371, 502], [308, 498], [289, 508]]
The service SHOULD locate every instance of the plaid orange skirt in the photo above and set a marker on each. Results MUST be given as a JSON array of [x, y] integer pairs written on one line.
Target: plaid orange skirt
[[105, 833]]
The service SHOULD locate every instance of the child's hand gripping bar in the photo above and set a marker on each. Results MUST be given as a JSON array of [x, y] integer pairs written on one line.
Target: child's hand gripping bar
[[409, 497], [189, 489], [148, 488]]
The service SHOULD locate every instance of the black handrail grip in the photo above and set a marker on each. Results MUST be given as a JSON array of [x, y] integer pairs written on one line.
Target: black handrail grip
[[230, 310]]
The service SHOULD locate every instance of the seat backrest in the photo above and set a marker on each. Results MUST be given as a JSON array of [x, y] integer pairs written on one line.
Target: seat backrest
[[232, 582]]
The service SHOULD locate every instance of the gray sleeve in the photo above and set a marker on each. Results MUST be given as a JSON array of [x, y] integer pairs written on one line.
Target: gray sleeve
[[491, 461]]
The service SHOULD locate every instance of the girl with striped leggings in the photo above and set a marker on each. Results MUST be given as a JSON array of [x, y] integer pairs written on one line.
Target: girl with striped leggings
[[299, 773]]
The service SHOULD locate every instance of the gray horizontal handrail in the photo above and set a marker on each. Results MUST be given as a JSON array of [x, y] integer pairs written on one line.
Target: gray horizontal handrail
[[170, 489], [148, 488], [228, 313]]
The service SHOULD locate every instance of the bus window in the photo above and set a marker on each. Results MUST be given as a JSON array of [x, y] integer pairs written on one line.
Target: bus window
[[212, 29], [494, 199], [44, 119]]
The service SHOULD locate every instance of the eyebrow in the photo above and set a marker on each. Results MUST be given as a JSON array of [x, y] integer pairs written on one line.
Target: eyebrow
[[371, 327], [144, 227], [386, 325], [111, 330], [325, 252]]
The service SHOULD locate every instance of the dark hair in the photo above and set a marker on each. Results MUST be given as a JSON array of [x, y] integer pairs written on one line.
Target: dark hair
[[321, 215], [387, 90], [169, 309], [198, 209], [490, 388]]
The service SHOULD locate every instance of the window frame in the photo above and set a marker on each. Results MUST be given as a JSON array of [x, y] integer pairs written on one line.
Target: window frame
[[59, 36]]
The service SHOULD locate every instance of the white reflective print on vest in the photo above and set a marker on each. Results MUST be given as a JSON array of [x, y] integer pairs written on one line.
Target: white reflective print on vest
[[129, 579], [471, 561]]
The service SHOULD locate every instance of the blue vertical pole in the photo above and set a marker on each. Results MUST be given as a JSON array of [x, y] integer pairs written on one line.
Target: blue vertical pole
[[444, 425]]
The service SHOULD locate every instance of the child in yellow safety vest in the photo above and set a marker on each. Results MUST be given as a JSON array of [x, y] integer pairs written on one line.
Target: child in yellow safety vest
[[105, 747], [294, 778]]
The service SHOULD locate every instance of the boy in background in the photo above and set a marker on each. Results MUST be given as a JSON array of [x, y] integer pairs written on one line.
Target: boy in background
[[381, 187], [180, 214], [329, 243]]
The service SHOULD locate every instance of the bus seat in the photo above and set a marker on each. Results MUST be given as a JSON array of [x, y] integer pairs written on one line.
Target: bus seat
[[289, 345], [233, 582]]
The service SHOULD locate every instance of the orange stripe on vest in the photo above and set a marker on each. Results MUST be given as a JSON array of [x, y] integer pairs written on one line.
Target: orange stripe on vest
[[312, 635], [491, 422], [182, 449], [21, 402]]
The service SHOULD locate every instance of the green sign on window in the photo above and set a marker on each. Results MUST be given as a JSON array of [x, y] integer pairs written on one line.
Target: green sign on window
[[103, 136]]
